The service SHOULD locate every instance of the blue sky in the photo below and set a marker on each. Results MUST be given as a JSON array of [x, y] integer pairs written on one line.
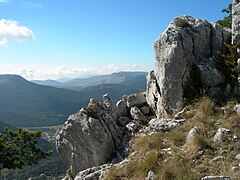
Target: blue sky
[[51, 39]]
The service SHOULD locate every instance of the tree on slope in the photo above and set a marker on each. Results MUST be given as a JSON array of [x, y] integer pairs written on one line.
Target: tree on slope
[[227, 20], [19, 148]]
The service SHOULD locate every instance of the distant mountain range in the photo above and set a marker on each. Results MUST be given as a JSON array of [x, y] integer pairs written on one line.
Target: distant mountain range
[[81, 83], [27, 104]]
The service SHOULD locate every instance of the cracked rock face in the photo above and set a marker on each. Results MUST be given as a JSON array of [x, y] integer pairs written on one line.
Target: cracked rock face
[[99, 133], [91, 136], [235, 21], [186, 54]]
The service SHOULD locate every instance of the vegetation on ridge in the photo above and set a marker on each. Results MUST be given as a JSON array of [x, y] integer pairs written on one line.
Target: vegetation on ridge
[[170, 156], [227, 20], [229, 64]]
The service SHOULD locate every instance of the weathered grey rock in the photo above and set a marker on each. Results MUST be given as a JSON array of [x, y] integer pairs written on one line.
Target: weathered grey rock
[[237, 157], [185, 57], [192, 133], [220, 135], [136, 113], [93, 173], [107, 100], [145, 110], [164, 124], [122, 107], [167, 151], [216, 178], [237, 108], [236, 91], [227, 91], [151, 176], [216, 93], [90, 137], [138, 100], [218, 158], [236, 29], [124, 120], [210, 75], [235, 21], [153, 91], [132, 126]]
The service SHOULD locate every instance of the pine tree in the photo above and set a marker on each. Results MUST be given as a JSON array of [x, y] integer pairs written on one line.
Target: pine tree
[[19, 148]]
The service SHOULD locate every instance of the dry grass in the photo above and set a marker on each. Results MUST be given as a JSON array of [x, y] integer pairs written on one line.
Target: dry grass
[[189, 160]]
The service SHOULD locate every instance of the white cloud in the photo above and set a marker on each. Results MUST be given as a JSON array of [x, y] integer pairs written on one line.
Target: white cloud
[[42, 72], [12, 31]]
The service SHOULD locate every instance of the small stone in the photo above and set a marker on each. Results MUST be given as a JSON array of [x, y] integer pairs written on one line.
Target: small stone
[[151, 176], [192, 133], [216, 178], [235, 138], [218, 158], [133, 127], [136, 113], [237, 108], [164, 124], [237, 157], [219, 136]]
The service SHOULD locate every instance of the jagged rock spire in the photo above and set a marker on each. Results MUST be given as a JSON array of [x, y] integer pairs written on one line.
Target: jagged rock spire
[[236, 28], [236, 21]]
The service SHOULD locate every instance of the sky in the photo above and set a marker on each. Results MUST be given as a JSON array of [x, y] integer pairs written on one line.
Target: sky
[[52, 39]]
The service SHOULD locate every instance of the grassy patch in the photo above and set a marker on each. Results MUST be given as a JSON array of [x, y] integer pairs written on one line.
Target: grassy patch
[[187, 160]]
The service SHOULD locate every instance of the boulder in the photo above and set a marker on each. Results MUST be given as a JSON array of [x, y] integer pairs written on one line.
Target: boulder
[[122, 107], [192, 133], [164, 124], [133, 127], [91, 136], [138, 100], [186, 54], [93, 173], [237, 157], [237, 108], [220, 135], [151, 176], [136, 113], [145, 110]]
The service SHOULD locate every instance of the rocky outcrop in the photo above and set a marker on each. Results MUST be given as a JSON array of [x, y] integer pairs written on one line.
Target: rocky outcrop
[[164, 124], [236, 35], [89, 138], [186, 54], [235, 21], [97, 133]]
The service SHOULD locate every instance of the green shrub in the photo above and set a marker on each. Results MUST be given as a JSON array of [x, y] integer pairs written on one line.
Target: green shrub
[[229, 64], [182, 22]]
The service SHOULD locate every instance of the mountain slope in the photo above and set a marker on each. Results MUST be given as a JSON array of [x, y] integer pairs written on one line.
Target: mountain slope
[[26, 104], [23, 103], [116, 91], [80, 83]]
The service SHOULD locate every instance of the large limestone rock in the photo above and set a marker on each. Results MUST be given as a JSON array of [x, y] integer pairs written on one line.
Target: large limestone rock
[[186, 54], [100, 132], [91, 136], [236, 32], [235, 21]]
